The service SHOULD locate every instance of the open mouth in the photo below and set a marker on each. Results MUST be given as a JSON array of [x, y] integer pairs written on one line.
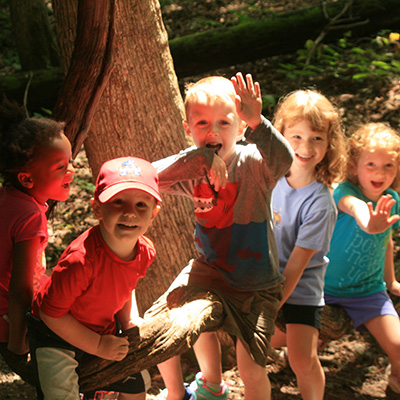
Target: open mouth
[[376, 185], [66, 186], [216, 146], [127, 226]]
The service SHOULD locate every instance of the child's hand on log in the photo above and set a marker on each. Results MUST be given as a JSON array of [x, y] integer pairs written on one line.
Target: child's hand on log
[[112, 347]]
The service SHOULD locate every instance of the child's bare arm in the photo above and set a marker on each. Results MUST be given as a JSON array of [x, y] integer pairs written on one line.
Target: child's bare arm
[[389, 274], [370, 220], [128, 316], [109, 347], [21, 292], [298, 260], [248, 99]]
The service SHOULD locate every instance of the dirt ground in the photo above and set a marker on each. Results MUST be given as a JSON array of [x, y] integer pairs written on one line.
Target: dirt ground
[[354, 365]]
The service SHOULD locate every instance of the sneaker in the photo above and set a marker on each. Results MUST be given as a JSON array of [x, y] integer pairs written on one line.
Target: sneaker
[[189, 394], [204, 393]]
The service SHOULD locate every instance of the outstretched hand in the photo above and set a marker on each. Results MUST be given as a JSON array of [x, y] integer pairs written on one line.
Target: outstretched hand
[[380, 218], [248, 99]]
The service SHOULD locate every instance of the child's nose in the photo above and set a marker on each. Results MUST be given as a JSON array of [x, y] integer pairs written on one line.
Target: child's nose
[[129, 210], [214, 131]]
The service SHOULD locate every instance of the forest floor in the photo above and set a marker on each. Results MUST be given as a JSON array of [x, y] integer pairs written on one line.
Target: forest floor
[[354, 365]]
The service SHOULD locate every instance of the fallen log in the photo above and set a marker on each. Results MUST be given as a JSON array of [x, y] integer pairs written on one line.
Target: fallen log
[[171, 327], [222, 47]]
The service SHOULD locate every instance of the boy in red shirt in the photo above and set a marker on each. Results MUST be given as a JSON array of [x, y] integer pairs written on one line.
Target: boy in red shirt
[[91, 293]]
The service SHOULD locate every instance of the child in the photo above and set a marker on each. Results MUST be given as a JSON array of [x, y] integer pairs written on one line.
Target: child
[[304, 218], [94, 280], [231, 185], [34, 166], [361, 267]]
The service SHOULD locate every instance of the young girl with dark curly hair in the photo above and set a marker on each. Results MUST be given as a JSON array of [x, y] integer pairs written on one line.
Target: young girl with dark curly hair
[[34, 166]]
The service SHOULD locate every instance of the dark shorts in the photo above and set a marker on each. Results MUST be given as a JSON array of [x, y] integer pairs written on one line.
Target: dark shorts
[[305, 315]]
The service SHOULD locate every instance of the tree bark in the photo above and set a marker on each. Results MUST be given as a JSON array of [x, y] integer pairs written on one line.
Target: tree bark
[[33, 35], [172, 328], [140, 113]]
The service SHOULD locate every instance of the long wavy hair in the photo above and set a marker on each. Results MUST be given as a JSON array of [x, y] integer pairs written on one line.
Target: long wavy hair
[[323, 116]]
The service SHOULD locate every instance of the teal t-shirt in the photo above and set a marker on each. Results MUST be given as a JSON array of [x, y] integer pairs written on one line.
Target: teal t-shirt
[[356, 258]]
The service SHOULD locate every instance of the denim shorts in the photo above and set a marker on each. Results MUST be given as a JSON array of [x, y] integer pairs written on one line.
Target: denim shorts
[[363, 309]]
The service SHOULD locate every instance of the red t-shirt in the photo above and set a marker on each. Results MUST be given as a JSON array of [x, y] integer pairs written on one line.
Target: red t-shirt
[[91, 283], [21, 218]]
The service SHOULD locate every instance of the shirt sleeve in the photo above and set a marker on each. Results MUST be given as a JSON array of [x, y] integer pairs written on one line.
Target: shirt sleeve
[[70, 278], [177, 173], [275, 149]]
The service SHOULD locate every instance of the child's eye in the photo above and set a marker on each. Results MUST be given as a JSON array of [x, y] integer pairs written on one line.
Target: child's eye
[[141, 204], [318, 138], [118, 202]]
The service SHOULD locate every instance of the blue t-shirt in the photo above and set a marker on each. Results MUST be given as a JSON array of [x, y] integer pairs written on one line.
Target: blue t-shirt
[[356, 258], [305, 218]]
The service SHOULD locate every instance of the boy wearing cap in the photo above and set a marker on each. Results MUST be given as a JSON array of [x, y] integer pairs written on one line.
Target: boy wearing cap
[[91, 292]]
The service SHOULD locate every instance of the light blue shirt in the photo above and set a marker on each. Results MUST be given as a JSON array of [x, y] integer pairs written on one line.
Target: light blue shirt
[[305, 218]]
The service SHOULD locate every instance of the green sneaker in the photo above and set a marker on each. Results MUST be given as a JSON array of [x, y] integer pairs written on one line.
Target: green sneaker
[[204, 393]]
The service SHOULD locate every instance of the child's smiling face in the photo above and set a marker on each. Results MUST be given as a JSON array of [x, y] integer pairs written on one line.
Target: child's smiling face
[[52, 174], [308, 145], [376, 170], [214, 125]]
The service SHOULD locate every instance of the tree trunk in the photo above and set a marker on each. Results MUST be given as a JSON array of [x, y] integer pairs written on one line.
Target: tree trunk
[[33, 36], [139, 114]]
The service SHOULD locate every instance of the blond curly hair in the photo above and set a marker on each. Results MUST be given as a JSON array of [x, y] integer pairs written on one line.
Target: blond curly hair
[[323, 116], [368, 137]]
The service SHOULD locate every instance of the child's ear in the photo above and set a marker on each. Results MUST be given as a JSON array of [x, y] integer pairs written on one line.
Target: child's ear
[[241, 131], [155, 212], [96, 208], [187, 129], [25, 179]]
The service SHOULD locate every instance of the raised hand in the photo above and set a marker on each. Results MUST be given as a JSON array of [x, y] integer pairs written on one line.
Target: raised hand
[[380, 218], [248, 99]]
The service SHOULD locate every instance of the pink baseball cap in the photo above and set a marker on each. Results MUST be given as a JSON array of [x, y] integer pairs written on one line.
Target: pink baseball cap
[[126, 173]]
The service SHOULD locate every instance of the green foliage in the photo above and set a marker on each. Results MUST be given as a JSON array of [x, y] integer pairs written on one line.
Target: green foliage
[[84, 185], [377, 58], [45, 113], [8, 54]]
